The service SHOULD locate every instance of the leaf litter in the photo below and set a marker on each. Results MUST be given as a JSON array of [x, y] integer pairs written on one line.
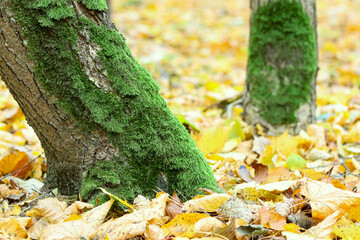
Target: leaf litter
[[286, 187]]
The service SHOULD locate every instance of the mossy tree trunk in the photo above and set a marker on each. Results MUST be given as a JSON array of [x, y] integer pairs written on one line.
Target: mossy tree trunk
[[97, 112], [282, 65]]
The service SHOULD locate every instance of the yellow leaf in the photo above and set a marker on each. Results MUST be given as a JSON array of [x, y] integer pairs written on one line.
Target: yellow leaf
[[346, 230], [183, 225], [12, 227], [292, 227], [13, 162], [122, 201], [249, 194], [213, 86], [285, 144], [267, 156], [207, 203], [16, 210], [326, 199], [355, 213], [213, 139], [73, 217]]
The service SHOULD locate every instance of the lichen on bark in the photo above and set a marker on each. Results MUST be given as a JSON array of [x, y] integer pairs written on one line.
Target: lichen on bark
[[282, 60], [122, 101]]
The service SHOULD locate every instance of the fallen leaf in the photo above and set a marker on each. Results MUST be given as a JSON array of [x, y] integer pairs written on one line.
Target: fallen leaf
[[174, 207], [271, 219], [260, 144], [324, 229], [346, 229], [295, 162], [207, 203], [325, 199], [213, 139], [261, 172], [11, 227], [235, 208], [183, 224], [14, 162]]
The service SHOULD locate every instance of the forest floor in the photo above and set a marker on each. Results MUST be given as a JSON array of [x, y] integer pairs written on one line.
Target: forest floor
[[286, 187]]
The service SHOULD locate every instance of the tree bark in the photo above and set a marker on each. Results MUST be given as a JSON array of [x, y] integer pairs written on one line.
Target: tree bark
[[108, 3], [96, 111], [282, 65]]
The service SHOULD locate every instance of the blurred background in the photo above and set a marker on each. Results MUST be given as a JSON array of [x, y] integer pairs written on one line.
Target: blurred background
[[197, 49]]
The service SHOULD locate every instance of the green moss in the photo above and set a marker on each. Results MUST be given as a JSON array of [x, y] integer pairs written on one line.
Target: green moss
[[95, 4], [282, 60], [148, 138]]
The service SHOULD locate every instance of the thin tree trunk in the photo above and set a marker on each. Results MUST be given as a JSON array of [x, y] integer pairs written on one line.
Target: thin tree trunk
[[282, 65], [93, 107]]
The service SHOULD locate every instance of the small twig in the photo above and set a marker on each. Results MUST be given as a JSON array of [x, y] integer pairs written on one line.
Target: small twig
[[17, 171]]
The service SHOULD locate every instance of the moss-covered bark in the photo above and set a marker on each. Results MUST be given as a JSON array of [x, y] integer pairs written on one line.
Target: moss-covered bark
[[282, 64], [82, 60]]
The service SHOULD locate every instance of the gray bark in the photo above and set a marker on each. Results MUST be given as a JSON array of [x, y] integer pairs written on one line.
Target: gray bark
[[69, 152]]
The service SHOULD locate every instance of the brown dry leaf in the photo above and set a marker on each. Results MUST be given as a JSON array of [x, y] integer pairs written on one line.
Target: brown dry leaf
[[260, 144], [121, 229], [132, 224], [227, 231], [78, 229], [316, 154], [261, 172], [207, 203], [95, 217], [51, 209], [235, 208], [160, 202], [317, 133], [77, 207], [4, 190], [174, 207], [12, 139], [12, 227], [154, 232], [206, 226], [278, 174], [13, 162], [289, 206], [183, 225], [326, 199], [83, 228], [271, 219], [35, 230]]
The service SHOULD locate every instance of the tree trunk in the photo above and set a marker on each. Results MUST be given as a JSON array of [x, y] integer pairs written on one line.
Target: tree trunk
[[108, 3], [282, 65], [93, 107]]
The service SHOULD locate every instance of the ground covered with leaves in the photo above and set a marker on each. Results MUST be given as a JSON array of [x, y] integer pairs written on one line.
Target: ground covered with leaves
[[285, 187]]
